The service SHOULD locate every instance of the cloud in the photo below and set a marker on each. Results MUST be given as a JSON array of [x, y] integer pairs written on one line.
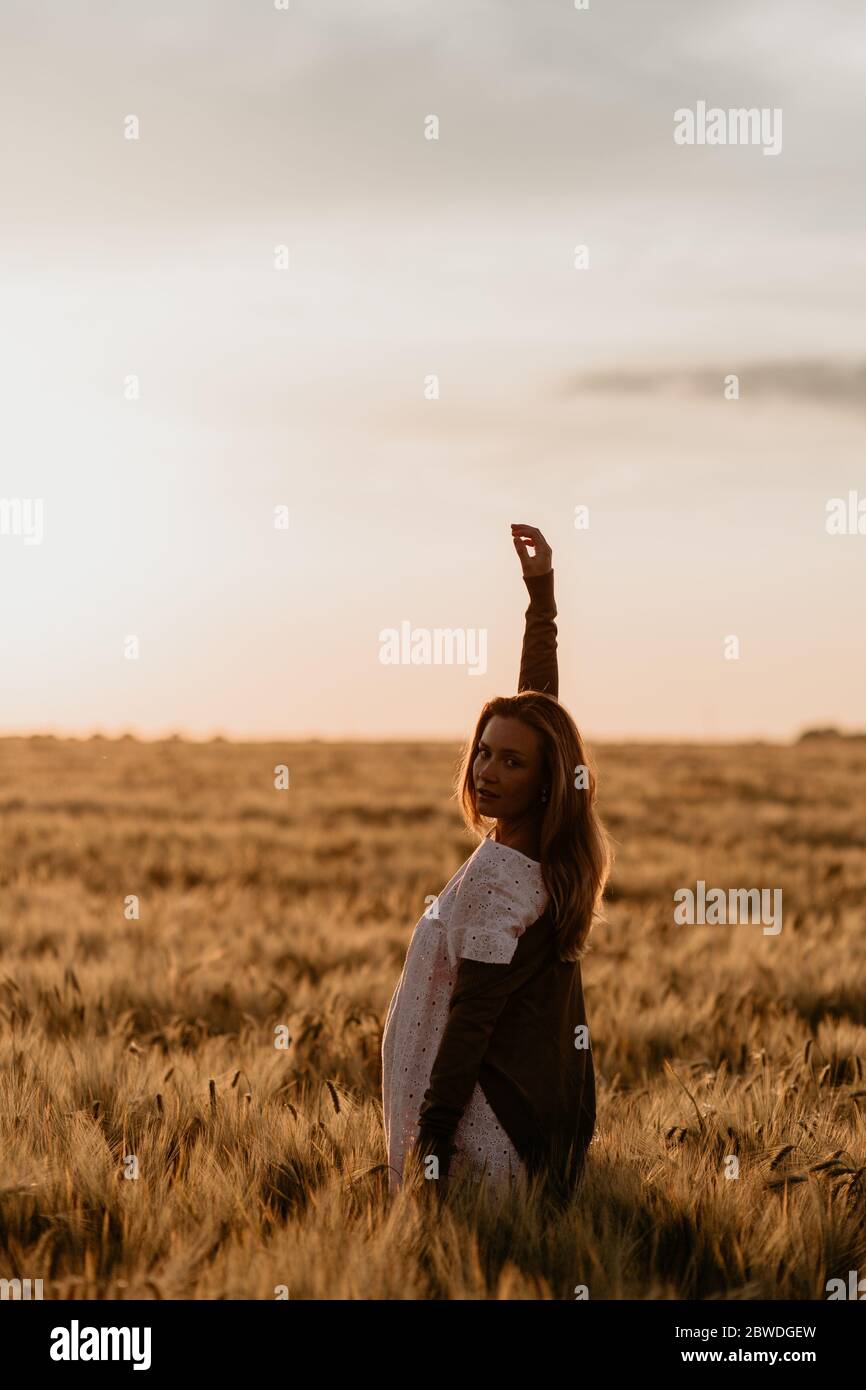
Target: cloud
[[250, 112], [826, 383]]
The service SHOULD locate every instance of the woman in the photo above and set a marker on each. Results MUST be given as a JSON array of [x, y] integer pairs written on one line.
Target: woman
[[486, 1062]]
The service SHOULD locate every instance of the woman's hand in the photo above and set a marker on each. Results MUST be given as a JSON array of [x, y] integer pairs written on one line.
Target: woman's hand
[[541, 561]]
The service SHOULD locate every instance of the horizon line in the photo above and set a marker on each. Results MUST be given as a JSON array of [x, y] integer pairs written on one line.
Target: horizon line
[[175, 736]]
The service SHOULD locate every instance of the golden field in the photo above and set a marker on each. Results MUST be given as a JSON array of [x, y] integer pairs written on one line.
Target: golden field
[[261, 1169]]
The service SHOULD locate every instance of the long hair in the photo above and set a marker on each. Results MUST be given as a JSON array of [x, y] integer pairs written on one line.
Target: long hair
[[576, 854]]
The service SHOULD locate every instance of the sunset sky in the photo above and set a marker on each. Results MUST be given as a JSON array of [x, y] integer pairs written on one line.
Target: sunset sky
[[305, 388]]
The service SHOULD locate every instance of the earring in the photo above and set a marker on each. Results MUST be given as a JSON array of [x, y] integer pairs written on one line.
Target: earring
[[544, 795]]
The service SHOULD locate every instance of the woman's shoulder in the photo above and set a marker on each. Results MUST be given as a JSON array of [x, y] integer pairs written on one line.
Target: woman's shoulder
[[501, 892], [500, 867]]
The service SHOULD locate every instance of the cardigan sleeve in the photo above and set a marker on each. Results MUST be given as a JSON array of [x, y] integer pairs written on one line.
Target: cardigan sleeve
[[480, 993], [538, 664]]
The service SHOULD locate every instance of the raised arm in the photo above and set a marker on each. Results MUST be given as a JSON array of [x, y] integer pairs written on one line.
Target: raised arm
[[538, 664]]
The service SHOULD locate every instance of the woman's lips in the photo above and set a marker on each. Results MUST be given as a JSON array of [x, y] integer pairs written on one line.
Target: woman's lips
[[488, 796]]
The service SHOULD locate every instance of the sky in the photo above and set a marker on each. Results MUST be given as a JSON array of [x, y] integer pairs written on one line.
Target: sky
[[306, 386]]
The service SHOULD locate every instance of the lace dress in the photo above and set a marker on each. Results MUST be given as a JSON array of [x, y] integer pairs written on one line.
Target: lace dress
[[479, 915]]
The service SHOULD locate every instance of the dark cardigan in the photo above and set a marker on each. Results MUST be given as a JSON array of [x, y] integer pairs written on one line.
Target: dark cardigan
[[511, 1028]]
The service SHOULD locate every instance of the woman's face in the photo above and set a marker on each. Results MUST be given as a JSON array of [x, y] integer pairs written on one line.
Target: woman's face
[[508, 771]]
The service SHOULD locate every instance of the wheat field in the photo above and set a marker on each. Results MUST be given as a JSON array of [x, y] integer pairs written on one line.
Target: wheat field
[[155, 1142]]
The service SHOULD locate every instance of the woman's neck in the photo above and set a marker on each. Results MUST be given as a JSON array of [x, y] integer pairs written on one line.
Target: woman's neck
[[523, 835]]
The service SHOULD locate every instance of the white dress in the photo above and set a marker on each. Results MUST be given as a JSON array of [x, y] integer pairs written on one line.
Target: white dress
[[479, 915]]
